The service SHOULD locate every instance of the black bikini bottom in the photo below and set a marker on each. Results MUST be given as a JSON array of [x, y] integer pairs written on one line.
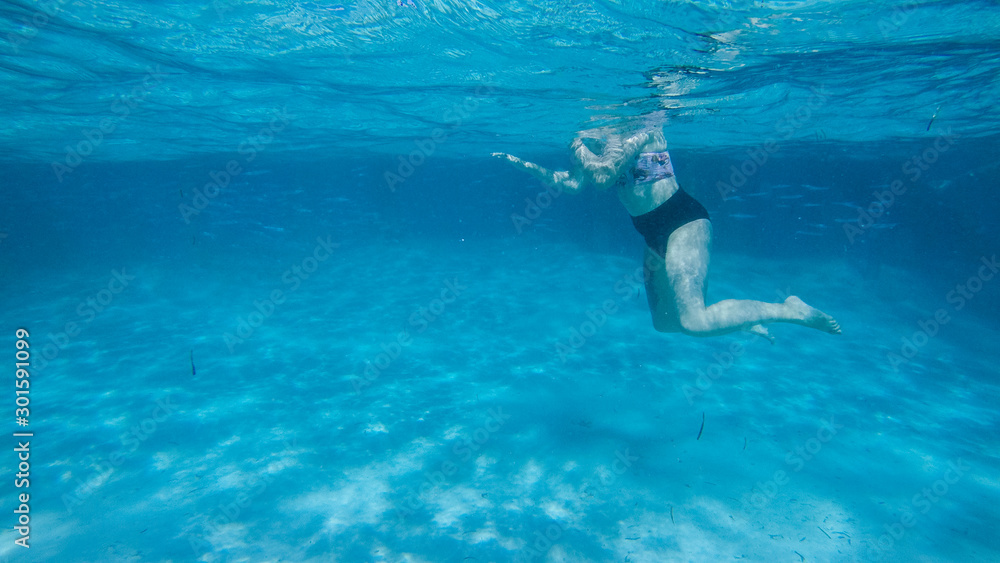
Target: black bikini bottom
[[657, 225]]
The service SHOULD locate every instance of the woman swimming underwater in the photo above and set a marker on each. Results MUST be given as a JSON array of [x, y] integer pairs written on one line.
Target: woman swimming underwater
[[678, 235]]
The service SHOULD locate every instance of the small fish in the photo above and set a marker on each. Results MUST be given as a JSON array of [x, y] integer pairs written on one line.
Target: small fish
[[193, 372], [815, 188], [671, 514], [809, 233], [744, 443], [741, 216], [811, 205], [757, 194], [933, 117], [796, 196], [702, 429]]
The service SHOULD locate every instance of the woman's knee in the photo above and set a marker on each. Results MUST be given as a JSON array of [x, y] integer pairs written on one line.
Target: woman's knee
[[694, 323]]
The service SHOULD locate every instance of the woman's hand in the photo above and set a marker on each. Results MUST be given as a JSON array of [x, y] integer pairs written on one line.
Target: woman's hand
[[509, 157]]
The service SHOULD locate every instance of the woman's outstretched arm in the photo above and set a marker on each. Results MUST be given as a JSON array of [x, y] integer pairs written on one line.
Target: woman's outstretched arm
[[603, 170], [561, 179]]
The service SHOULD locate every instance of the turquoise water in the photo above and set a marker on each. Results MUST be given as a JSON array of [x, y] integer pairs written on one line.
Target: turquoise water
[[283, 305]]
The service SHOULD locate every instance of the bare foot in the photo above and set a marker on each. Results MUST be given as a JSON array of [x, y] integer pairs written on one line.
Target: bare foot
[[759, 330], [812, 317]]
